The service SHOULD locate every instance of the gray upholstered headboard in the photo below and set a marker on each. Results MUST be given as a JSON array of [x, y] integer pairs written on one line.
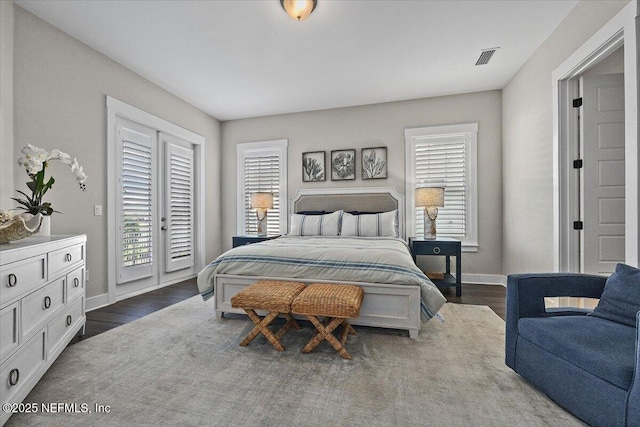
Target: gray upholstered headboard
[[368, 199]]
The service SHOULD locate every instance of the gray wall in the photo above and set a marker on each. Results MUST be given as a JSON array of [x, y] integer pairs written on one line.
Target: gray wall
[[528, 138], [6, 105], [374, 126], [59, 94]]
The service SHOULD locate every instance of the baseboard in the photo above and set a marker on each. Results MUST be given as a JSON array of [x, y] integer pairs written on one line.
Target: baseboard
[[96, 302], [484, 279]]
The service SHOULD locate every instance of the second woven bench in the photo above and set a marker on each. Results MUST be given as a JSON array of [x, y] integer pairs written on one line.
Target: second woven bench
[[336, 303]]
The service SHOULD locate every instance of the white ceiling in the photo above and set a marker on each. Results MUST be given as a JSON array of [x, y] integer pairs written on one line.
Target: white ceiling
[[238, 59]]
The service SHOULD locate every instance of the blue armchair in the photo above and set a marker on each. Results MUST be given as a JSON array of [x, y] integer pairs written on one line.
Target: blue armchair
[[588, 365]]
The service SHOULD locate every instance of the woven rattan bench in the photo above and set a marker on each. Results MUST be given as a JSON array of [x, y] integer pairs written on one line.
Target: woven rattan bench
[[336, 303], [274, 296]]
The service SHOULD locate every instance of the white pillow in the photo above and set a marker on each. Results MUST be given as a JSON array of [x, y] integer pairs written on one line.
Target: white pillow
[[316, 225], [370, 225]]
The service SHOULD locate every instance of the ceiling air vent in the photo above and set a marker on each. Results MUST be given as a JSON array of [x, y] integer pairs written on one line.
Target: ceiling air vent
[[486, 55]]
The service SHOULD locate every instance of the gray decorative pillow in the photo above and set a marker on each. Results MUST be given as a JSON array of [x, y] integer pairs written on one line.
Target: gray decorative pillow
[[620, 300]]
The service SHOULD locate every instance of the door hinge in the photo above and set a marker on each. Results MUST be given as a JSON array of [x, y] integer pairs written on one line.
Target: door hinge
[[578, 225], [577, 164], [577, 102]]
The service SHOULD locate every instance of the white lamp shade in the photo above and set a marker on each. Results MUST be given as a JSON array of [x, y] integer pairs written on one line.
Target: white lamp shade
[[262, 200], [430, 196]]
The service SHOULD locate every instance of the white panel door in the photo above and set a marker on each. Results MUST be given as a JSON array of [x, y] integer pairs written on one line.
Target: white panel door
[[602, 243], [136, 205], [178, 211]]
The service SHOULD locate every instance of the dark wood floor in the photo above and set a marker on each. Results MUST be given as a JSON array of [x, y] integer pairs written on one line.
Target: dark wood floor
[[492, 295], [128, 310]]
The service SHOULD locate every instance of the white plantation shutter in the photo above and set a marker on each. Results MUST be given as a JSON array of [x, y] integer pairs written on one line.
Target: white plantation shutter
[[262, 167], [135, 206], [442, 162], [179, 189], [262, 174], [444, 156]]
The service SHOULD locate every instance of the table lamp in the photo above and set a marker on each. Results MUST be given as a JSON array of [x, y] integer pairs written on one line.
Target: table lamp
[[261, 201], [430, 198]]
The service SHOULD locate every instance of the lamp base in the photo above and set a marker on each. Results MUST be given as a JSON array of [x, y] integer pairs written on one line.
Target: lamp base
[[430, 215], [261, 215]]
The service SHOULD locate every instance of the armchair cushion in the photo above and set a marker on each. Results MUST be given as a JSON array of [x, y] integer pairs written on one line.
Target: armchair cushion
[[601, 347], [620, 300]]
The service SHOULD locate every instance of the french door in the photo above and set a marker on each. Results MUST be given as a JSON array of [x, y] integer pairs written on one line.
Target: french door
[[155, 230]]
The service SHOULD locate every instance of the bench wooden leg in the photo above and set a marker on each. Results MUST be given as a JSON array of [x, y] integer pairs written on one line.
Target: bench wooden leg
[[325, 333], [262, 327], [291, 323], [347, 330]]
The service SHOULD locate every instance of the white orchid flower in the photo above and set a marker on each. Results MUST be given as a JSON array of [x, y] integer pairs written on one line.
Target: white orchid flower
[[35, 161], [59, 155], [80, 175]]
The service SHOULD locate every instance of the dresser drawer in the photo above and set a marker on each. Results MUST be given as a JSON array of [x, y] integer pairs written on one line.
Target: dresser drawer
[[20, 367], [40, 306], [66, 321], [9, 329], [63, 259], [18, 278], [75, 284]]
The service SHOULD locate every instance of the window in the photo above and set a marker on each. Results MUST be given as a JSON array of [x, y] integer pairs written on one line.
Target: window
[[262, 166], [444, 156]]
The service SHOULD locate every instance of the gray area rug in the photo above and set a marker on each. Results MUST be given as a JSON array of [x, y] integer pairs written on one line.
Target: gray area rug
[[181, 366]]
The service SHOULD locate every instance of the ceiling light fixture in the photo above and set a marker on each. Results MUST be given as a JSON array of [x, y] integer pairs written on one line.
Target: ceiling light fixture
[[298, 9]]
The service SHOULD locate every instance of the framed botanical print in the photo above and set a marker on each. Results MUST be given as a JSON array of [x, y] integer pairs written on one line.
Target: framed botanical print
[[374, 163], [313, 166], [343, 165]]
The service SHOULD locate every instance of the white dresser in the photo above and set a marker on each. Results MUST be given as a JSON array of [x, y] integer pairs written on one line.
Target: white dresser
[[42, 292]]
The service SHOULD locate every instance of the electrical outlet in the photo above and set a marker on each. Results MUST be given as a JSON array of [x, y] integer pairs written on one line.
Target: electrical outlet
[[97, 210]]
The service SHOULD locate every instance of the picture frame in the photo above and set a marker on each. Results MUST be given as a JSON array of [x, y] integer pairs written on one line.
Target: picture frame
[[343, 165], [313, 166], [374, 163]]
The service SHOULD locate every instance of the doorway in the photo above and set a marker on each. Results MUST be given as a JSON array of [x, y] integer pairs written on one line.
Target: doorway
[[156, 202], [570, 190], [595, 166]]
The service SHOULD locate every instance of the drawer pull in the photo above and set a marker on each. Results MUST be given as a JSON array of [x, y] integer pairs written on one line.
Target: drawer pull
[[69, 320], [76, 282], [14, 376], [47, 302], [436, 250], [13, 280], [67, 257]]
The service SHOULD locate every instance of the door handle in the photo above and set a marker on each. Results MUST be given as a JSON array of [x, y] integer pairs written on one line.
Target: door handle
[[163, 228]]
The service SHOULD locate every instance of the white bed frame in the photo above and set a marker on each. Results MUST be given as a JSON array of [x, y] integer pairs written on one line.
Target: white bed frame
[[384, 305]]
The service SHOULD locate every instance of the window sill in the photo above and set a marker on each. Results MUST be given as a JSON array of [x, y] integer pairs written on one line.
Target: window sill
[[469, 247]]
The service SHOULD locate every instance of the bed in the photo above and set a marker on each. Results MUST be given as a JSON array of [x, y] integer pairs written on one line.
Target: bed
[[397, 294]]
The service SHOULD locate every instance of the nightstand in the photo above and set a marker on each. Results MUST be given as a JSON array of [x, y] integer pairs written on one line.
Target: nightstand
[[442, 246], [249, 239]]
